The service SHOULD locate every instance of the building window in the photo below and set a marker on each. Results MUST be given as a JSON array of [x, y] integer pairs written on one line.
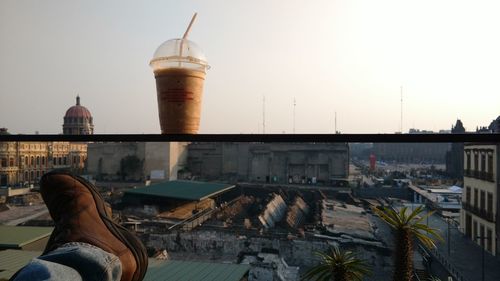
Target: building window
[[475, 198], [55, 161], [26, 176], [27, 161], [65, 160], [488, 241], [490, 165], [59, 162], [38, 160], [43, 160], [467, 195], [474, 229], [37, 175], [483, 162], [32, 175], [481, 234], [489, 203], [4, 162], [476, 162], [468, 161], [482, 201], [32, 161], [11, 162]]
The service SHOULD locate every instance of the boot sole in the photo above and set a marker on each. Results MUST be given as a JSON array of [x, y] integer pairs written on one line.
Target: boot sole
[[124, 235]]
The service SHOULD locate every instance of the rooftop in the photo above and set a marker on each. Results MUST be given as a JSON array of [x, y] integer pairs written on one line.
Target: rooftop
[[195, 271], [77, 111], [12, 260], [18, 236], [183, 190]]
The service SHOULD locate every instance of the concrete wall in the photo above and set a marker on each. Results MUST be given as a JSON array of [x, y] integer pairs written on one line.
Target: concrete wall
[[219, 245], [401, 193], [270, 162], [178, 158], [8, 192], [104, 159]]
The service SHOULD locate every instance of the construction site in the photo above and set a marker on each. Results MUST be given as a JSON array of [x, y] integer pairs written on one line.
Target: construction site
[[276, 229]]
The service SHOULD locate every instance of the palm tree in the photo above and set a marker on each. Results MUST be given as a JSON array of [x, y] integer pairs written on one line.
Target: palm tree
[[338, 266], [407, 227]]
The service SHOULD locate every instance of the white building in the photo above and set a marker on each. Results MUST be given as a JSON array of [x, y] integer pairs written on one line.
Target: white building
[[480, 201]]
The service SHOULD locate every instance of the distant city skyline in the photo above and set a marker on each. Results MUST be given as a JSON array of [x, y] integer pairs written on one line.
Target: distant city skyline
[[349, 57]]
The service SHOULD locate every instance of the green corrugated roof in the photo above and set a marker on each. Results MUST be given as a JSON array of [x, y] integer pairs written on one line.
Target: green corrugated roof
[[18, 236], [195, 271], [12, 260], [184, 190]]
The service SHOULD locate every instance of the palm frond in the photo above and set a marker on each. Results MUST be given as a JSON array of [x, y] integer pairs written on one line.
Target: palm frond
[[336, 261], [388, 215], [402, 220]]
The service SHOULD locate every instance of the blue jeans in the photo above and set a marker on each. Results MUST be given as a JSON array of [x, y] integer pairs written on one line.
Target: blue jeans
[[73, 261]]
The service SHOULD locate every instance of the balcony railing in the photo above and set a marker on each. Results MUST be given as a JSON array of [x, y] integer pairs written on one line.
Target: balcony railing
[[479, 212], [481, 175]]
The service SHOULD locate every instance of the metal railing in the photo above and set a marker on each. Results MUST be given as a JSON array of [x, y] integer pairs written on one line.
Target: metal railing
[[455, 273], [487, 215], [481, 175]]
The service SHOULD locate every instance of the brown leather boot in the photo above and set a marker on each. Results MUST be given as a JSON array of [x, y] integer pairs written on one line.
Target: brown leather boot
[[79, 213]]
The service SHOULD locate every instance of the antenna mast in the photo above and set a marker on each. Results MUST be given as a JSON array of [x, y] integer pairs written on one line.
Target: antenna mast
[[336, 122], [294, 103], [401, 126], [264, 114]]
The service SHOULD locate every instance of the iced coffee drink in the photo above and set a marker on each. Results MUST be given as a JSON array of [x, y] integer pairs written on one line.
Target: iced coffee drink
[[179, 67]]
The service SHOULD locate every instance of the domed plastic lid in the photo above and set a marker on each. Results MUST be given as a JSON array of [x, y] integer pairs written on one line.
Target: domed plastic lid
[[179, 53]]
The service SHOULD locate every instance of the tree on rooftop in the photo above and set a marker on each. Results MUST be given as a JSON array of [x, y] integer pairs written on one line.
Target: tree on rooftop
[[338, 265], [130, 165], [407, 227]]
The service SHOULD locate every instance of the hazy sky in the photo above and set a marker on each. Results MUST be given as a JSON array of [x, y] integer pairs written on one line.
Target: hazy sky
[[345, 56]]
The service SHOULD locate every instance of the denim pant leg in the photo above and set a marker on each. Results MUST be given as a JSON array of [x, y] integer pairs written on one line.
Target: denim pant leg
[[73, 261]]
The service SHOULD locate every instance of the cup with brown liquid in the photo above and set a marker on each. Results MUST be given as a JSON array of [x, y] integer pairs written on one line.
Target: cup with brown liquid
[[179, 67]]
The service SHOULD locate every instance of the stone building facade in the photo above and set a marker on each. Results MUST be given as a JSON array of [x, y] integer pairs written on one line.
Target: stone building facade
[[269, 162], [23, 163], [136, 161], [429, 153], [480, 216]]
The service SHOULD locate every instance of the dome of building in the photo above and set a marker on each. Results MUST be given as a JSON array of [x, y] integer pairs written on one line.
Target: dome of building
[[78, 120], [78, 110]]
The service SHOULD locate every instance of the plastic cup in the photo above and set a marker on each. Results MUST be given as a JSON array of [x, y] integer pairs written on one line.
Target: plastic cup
[[179, 67]]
